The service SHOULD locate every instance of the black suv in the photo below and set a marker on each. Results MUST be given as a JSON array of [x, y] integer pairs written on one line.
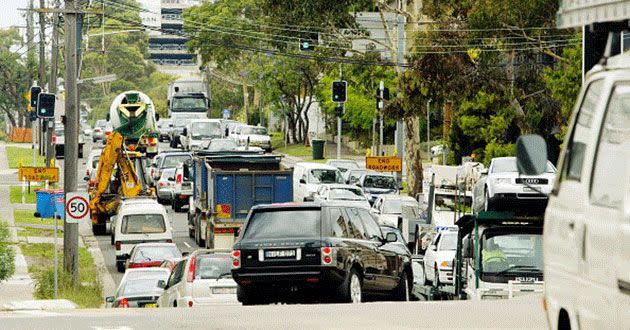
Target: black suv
[[317, 251]]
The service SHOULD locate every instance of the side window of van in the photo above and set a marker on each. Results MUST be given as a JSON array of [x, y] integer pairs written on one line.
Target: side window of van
[[613, 151], [576, 148]]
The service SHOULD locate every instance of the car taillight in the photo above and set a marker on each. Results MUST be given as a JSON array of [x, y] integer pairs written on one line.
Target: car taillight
[[191, 270], [107, 133], [169, 241], [124, 303], [152, 141], [96, 130], [54, 138], [178, 179], [161, 184], [117, 244], [327, 253], [190, 303], [236, 259]]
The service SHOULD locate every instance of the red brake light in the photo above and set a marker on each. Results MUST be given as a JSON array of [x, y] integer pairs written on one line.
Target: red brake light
[[124, 303], [117, 244], [169, 241], [236, 259], [54, 138], [191, 272], [161, 184], [190, 303], [327, 255], [178, 179]]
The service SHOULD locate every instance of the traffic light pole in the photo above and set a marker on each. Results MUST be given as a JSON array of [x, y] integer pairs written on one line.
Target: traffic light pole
[[381, 87], [52, 83], [71, 155]]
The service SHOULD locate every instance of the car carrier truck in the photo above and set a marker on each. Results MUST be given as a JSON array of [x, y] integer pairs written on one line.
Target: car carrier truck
[[226, 186]]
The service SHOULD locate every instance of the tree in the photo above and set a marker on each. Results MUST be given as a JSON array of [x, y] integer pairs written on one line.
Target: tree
[[13, 78]]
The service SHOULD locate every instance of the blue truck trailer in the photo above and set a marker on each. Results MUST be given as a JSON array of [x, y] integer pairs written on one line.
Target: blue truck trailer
[[226, 186]]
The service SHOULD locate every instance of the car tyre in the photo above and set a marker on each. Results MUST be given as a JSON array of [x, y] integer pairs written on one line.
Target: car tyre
[[436, 279], [402, 292], [352, 288], [177, 206], [120, 266], [98, 229], [200, 241], [246, 297], [112, 239]]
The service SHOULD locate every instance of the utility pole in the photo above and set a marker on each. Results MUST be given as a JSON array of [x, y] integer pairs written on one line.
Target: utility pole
[[42, 68], [30, 57], [381, 87], [72, 43], [428, 129], [52, 82], [400, 127], [339, 115]]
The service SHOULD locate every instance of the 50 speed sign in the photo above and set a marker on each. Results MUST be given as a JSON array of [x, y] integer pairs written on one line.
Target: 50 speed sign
[[77, 207]]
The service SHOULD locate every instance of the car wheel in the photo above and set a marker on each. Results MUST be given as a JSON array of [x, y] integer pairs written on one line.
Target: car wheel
[[98, 229], [177, 206], [402, 291], [120, 266], [246, 297], [112, 239], [351, 288], [200, 241], [436, 279]]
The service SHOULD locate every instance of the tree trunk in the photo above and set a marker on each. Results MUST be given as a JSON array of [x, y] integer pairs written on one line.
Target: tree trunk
[[413, 155]]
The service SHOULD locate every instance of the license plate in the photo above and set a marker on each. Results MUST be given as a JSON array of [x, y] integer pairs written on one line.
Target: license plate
[[280, 254], [224, 290], [150, 306]]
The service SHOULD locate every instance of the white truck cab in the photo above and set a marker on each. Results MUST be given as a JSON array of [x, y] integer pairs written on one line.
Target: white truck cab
[[587, 220], [307, 177]]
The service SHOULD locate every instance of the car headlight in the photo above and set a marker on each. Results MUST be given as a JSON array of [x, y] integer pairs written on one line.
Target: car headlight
[[502, 181]]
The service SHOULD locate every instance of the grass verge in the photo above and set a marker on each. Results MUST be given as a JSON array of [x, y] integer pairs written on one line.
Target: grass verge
[[25, 155], [15, 194], [88, 292], [26, 216], [39, 232], [7, 255]]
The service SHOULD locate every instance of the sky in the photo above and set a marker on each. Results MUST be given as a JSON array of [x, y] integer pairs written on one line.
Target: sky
[[10, 13]]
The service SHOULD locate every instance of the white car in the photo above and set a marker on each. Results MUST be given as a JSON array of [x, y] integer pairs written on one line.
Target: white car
[[204, 278], [502, 186], [140, 220], [152, 255], [344, 165], [198, 132], [438, 259], [138, 288], [91, 164], [587, 221], [307, 177], [255, 136], [165, 185], [387, 208], [350, 195]]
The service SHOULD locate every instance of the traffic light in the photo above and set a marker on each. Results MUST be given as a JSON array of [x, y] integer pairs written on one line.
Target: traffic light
[[339, 93], [46, 105], [35, 90], [339, 111], [307, 45]]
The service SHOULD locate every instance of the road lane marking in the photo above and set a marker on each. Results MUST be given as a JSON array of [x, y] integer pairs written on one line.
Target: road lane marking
[[187, 245]]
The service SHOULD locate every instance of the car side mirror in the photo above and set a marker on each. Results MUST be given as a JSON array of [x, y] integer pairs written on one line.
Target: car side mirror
[[466, 248], [531, 154], [110, 299], [185, 131], [391, 238], [484, 172], [302, 181], [86, 178], [161, 284]]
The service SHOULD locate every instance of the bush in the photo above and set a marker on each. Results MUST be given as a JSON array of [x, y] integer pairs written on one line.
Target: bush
[[7, 255]]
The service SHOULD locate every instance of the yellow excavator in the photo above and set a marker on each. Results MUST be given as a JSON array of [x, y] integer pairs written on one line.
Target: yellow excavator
[[120, 174]]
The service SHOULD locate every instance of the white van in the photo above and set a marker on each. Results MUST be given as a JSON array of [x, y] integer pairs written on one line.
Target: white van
[[587, 221], [307, 177], [139, 221]]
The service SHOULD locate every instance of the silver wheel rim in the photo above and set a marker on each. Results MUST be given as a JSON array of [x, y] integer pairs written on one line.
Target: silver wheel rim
[[355, 289]]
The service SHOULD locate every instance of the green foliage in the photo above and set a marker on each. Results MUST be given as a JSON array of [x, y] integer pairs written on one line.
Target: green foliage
[[7, 255], [14, 75]]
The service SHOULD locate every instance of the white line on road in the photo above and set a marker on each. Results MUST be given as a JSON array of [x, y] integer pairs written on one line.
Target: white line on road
[[187, 245]]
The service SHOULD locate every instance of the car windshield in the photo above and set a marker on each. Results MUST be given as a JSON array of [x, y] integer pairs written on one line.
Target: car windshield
[[379, 181], [254, 130], [444, 202], [448, 242], [141, 286], [222, 145], [145, 273], [153, 253], [325, 176], [195, 104], [143, 224], [512, 252], [353, 194], [211, 266], [203, 130], [174, 160], [291, 223], [344, 166], [394, 206], [505, 165]]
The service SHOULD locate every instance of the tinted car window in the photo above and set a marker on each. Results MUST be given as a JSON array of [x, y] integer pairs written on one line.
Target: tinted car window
[[355, 225], [151, 253], [212, 266], [141, 286], [173, 161], [338, 223], [378, 181], [143, 224], [372, 230], [325, 176], [291, 223]]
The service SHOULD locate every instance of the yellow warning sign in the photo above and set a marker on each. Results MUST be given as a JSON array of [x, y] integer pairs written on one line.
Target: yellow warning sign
[[40, 174], [384, 164]]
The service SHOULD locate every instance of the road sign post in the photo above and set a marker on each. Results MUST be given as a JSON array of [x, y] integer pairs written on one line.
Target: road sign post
[[77, 207]]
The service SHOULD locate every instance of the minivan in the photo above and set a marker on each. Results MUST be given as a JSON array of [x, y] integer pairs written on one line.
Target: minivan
[[322, 251], [587, 221], [307, 177]]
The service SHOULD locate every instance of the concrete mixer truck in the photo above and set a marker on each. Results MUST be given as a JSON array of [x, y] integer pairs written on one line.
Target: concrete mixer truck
[[133, 115]]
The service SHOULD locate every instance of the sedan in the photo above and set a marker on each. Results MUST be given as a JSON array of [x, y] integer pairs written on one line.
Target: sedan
[[204, 278], [152, 254], [165, 185], [139, 288], [349, 194]]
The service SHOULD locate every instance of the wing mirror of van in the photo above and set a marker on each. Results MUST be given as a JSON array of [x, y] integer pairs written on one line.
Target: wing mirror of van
[[302, 181], [391, 238], [467, 248], [531, 154], [161, 284], [110, 299]]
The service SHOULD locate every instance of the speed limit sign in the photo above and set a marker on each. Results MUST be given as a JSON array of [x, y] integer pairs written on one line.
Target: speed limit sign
[[77, 207]]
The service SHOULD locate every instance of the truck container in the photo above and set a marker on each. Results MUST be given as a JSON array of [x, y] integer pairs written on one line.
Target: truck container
[[226, 186]]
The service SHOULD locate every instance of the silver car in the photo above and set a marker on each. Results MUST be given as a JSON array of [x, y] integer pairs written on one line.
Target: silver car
[[165, 186], [139, 288]]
